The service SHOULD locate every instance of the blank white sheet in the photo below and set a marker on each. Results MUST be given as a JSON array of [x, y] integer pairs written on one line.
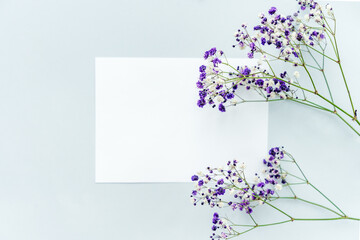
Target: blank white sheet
[[149, 128]]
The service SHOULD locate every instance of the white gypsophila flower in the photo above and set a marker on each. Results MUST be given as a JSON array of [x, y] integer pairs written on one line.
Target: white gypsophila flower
[[318, 19], [297, 74], [318, 7], [271, 83], [242, 166], [256, 179], [220, 81], [261, 15], [236, 34], [246, 195], [302, 27], [285, 42], [232, 101], [260, 202], [307, 18], [306, 38], [278, 187], [231, 192], [220, 99], [212, 88], [220, 204], [282, 95], [208, 71], [293, 36]]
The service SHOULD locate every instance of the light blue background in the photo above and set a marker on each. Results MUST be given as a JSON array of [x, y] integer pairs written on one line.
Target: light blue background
[[47, 173]]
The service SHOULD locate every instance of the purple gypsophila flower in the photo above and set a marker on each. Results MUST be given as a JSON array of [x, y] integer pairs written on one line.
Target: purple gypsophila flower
[[222, 108], [194, 178], [272, 10], [212, 51]]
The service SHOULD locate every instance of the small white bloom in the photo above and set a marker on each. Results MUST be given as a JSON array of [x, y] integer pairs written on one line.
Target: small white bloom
[[302, 27], [256, 179], [220, 81], [285, 42], [297, 74], [318, 7], [282, 95], [242, 46], [208, 70], [233, 101], [212, 88], [307, 17], [242, 166], [220, 204], [271, 83], [318, 19], [220, 99], [260, 202], [246, 195], [278, 187]]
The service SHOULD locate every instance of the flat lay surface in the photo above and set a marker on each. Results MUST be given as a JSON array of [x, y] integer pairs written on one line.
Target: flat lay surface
[[47, 129]]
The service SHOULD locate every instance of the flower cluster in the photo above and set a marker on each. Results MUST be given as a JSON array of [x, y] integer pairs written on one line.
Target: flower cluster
[[219, 86], [286, 33], [276, 37], [229, 187]]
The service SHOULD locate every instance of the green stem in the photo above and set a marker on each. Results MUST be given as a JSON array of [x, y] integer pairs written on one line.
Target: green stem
[[278, 210], [327, 198]]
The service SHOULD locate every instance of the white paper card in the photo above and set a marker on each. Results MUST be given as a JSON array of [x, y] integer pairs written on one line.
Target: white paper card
[[149, 128]]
